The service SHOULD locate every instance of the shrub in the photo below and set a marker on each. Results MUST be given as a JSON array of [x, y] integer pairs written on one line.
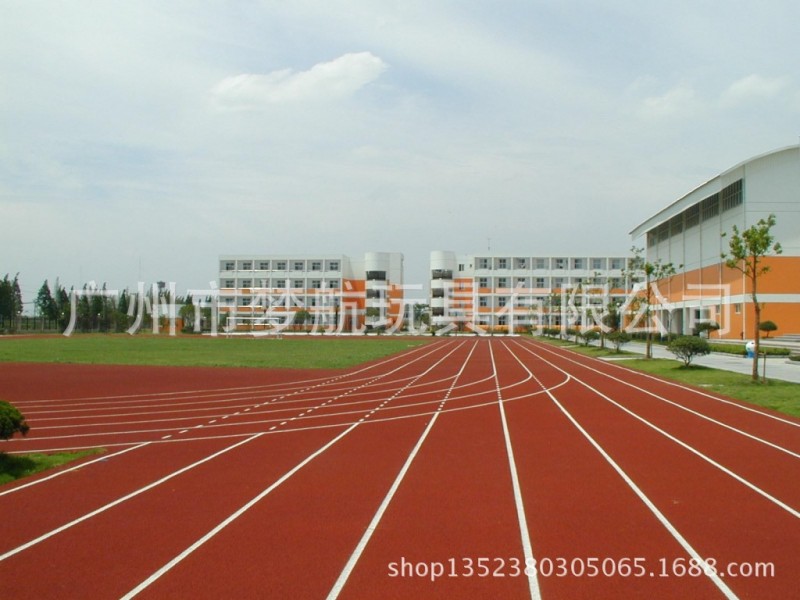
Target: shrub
[[11, 421], [768, 327], [589, 336], [686, 347], [618, 339]]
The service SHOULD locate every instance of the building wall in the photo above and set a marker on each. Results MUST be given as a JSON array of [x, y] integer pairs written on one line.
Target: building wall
[[510, 292], [770, 184], [266, 292]]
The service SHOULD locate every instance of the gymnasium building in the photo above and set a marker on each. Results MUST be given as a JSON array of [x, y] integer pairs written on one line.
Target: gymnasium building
[[689, 234]]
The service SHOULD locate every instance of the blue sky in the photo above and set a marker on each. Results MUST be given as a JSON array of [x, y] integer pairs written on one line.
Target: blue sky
[[142, 139]]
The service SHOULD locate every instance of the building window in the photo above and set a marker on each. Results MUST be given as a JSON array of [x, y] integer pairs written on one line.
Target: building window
[[561, 263], [483, 263], [316, 265], [616, 264], [333, 265], [676, 225], [298, 283], [298, 265], [280, 265], [483, 282], [263, 265], [333, 283], [247, 265], [502, 263], [540, 263], [709, 207], [737, 308], [246, 283], [316, 284], [597, 263], [502, 301], [483, 301], [502, 282], [732, 195], [577, 263], [692, 217], [461, 267], [229, 283], [540, 282], [229, 266]]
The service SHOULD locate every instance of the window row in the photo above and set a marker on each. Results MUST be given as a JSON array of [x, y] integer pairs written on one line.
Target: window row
[[304, 284], [520, 263], [280, 265], [705, 210]]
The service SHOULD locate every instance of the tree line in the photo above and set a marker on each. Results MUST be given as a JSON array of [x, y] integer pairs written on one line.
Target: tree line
[[96, 308]]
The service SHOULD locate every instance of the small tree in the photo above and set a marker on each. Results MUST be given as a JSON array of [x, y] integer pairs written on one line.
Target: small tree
[[707, 326], [589, 336], [747, 251], [11, 421], [618, 339], [651, 273], [686, 347], [768, 327]]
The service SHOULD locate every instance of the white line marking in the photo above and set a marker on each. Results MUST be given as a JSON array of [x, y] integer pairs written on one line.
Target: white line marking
[[527, 548], [133, 494], [338, 586]]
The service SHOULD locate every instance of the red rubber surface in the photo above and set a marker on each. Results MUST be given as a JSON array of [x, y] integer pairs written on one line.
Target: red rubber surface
[[247, 483]]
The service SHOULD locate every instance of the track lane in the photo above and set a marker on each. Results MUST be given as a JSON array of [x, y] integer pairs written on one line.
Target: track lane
[[722, 518]]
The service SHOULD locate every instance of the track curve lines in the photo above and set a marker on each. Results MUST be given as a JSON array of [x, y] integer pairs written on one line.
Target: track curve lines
[[466, 468]]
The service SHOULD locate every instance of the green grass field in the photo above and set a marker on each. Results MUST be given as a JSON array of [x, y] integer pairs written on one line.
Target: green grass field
[[777, 395], [293, 352]]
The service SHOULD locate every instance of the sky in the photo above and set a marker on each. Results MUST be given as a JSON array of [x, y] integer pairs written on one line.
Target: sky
[[140, 140]]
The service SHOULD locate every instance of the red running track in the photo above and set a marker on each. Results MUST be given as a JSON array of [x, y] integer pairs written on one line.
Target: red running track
[[449, 471]]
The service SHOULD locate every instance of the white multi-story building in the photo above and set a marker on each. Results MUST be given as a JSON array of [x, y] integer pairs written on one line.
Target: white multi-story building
[[271, 291], [511, 292]]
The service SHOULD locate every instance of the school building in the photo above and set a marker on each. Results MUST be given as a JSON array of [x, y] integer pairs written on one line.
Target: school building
[[689, 234], [509, 293], [324, 293]]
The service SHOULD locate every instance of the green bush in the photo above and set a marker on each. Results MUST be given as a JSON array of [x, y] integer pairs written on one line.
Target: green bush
[[686, 347], [11, 421], [618, 339]]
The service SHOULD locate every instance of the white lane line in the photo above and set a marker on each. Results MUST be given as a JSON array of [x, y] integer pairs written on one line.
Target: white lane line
[[726, 591], [125, 498], [711, 573], [338, 586], [213, 532], [685, 408], [682, 444], [75, 468], [527, 548]]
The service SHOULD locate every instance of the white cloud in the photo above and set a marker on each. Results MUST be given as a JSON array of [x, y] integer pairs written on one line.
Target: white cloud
[[679, 101], [754, 87], [335, 79]]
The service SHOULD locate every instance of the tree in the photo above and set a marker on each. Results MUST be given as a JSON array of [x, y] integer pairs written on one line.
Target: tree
[[618, 338], [10, 300], [686, 347], [11, 421], [46, 303], [747, 250], [651, 273], [768, 327]]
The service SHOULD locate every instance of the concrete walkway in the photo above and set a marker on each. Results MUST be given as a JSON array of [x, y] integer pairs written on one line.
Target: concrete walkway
[[778, 367]]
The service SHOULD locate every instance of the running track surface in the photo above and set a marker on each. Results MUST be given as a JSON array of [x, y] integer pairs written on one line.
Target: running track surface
[[438, 473]]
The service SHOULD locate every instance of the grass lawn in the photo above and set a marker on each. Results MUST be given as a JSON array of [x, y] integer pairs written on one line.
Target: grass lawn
[[782, 396], [15, 466], [294, 352]]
